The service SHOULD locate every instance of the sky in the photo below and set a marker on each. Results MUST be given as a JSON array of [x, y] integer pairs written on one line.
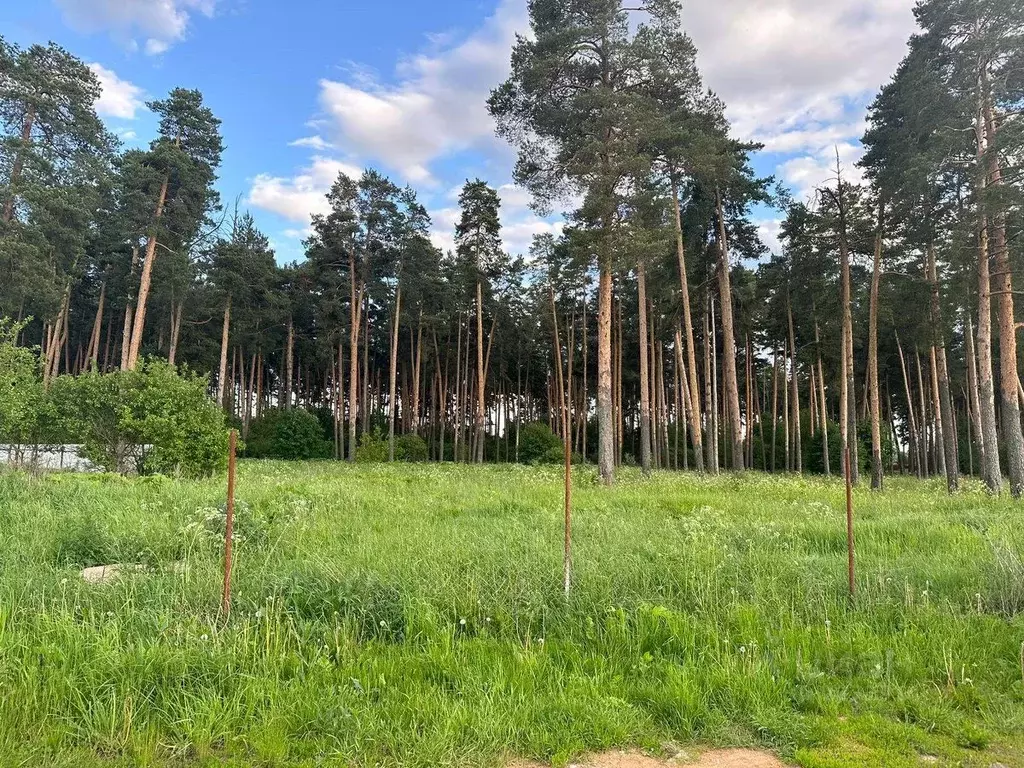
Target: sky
[[309, 88]]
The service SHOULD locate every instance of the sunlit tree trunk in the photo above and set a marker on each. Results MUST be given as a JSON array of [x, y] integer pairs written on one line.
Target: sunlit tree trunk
[[731, 382], [876, 426], [222, 388], [393, 374], [146, 280]]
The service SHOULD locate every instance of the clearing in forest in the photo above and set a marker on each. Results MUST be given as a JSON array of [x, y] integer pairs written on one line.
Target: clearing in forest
[[413, 615]]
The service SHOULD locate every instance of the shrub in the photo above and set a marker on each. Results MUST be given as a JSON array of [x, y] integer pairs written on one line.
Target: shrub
[[287, 434], [373, 448], [21, 391], [150, 420], [537, 444], [411, 448], [553, 455]]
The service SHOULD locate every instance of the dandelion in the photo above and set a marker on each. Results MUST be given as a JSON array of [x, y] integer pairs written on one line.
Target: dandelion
[[461, 621], [204, 637]]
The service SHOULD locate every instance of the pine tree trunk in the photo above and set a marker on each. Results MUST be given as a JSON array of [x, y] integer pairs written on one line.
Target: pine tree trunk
[[696, 434], [731, 381], [364, 403], [990, 469], [393, 374], [645, 387], [222, 388], [876, 415], [775, 409], [1002, 281], [973, 397], [798, 451], [97, 330], [786, 408], [289, 364], [710, 444], [939, 429], [355, 323], [605, 416], [823, 403], [458, 402], [480, 374], [146, 280], [925, 438], [19, 162], [172, 354], [414, 414], [847, 394]]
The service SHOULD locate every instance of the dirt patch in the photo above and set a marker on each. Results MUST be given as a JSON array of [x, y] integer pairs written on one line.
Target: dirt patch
[[717, 758]]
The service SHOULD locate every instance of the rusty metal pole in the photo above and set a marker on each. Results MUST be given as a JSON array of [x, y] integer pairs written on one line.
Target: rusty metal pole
[[849, 523], [229, 525]]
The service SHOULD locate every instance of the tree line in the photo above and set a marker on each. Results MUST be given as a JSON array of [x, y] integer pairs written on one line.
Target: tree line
[[656, 328]]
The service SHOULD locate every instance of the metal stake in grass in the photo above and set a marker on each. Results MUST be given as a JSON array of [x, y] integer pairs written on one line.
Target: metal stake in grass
[[849, 521], [229, 525]]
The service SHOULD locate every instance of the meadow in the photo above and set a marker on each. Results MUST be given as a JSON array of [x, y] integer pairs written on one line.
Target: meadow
[[414, 616]]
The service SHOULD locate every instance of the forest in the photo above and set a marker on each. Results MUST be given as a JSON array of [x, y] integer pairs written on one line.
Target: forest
[[658, 321]]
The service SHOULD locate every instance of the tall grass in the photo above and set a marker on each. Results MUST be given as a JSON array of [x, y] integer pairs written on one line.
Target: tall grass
[[414, 616]]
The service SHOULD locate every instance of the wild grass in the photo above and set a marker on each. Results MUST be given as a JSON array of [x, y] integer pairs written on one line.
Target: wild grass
[[413, 616]]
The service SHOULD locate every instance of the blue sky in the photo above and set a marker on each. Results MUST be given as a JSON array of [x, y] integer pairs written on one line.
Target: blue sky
[[308, 88]]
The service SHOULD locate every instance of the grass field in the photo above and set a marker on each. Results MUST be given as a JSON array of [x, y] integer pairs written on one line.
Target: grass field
[[414, 616]]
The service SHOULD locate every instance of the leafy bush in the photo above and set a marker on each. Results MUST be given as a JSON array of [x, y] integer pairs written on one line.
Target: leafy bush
[[373, 448], [150, 420], [537, 444], [411, 448], [287, 434], [553, 455], [21, 391]]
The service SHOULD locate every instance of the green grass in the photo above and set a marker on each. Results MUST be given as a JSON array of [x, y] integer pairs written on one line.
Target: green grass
[[414, 616]]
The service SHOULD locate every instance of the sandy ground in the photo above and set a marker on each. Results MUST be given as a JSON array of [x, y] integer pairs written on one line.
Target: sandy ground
[[718, 758]]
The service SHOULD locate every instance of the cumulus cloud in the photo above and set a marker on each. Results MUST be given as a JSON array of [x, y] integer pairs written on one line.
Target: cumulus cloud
[[161, 23], [299, 197], [778, 63], [797, 74], [118, 98], [435, 107]]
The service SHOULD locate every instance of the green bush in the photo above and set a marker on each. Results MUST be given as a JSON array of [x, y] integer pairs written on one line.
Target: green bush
[[21, 390], [411, 448], [553, 455], [373, 448], [147, 421], [287, 434], [537, 444]]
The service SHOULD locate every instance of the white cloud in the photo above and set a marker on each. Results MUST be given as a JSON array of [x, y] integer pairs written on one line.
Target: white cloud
[[808, 173], [514, 198], [297, 198], [313, 142], [779, 63], [161, 22], [118, 98], [769, 230], [797, 74], [436, 107]]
